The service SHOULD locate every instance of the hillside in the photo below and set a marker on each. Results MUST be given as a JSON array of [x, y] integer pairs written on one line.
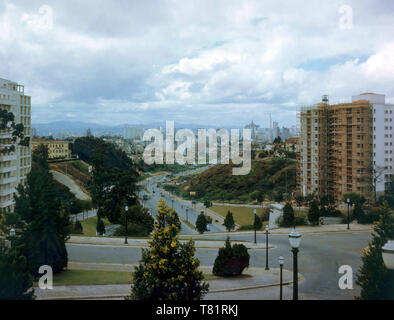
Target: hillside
[[268, 176], [77, 169]]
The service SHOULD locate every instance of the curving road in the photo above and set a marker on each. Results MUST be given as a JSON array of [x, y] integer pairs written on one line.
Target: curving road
[[320, 257], [185, 211], [70, 183]]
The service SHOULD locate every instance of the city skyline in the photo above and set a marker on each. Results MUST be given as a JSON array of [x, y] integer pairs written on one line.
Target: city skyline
[[223, 66]]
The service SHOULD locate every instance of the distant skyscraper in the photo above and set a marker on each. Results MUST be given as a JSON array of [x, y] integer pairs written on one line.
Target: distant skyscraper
[[133, 132]]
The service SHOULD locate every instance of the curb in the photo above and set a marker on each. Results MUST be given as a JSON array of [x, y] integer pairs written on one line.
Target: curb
[[146, 246], [122, 295]]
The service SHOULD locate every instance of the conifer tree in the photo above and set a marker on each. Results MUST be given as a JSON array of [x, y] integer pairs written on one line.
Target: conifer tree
[[168, 269], [288, 215], [376, 282], [43, 218], [201, 223], [229, 222], [314, 213], [16, 282]]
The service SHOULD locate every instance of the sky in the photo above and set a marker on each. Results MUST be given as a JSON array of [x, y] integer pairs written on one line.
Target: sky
[[211, 62]]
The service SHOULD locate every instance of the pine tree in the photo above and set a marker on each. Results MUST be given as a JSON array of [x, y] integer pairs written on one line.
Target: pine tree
[[358, 212], [16, 282], [257, 222], [375, 280], [168, 269], [314, 213], [229, 222], [100, 228], [42, 217], [201, 223], [288, 215]]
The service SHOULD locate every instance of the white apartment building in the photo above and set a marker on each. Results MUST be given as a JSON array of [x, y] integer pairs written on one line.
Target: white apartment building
[[14, 166], [383, 138]]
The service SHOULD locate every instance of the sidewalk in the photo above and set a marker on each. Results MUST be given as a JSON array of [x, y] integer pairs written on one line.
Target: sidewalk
[[144, 242], [252, 278], [354, 227]]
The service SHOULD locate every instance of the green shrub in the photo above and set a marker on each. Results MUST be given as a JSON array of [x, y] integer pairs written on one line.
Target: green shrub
[[231, 260], [246, 227], [368, 218], [298, 221], [77, 228], [137, 230]]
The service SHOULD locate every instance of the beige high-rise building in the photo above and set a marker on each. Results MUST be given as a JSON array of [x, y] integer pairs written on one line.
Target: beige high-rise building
[[14, 166], [335, 150]]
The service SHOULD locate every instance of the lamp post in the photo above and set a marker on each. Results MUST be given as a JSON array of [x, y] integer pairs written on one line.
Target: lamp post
[[281, 260], [295, 241], [12, 235], [187, 214], [172, 204], [348, 205], [266, 247], [126, 208], [254, 225]]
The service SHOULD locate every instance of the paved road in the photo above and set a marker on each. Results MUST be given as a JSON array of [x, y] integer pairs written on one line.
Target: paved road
[[184, 210], [70, 183], [83, 215], [319, 259]]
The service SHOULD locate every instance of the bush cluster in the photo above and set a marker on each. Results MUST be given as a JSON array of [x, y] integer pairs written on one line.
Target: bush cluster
[[231, 260]]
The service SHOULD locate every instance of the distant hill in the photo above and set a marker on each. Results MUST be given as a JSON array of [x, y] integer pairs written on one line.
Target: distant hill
[[268, 176], [79, 127]]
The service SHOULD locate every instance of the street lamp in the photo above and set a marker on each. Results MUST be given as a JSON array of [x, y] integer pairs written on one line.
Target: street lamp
[[187, 214], [281, 261], [255, 240], [295, 241], [126, 208], [266, 247], [348, 205]]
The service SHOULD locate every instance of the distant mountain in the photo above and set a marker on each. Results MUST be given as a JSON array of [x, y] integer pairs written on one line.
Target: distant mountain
[[76, 127]]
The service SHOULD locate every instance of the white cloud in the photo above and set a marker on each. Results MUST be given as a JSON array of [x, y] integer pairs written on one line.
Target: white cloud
[[199, 61]]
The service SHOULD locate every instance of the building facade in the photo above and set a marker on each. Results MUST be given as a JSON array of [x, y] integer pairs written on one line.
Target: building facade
[[15, 165], [57, 149], [346, 147]]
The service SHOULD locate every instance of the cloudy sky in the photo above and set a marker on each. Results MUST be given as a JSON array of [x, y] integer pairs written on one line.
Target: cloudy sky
[[206, 62]]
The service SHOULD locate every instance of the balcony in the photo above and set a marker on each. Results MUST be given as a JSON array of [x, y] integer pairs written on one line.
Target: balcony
[[10, 157], [7, 169], [7, 203], [9, 180], [7, 191]]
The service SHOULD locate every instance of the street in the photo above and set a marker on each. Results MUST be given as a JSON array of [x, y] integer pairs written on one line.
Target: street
[[319, 259]]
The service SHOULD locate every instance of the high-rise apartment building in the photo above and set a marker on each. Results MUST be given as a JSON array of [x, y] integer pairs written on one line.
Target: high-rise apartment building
[[133, 132], [346, 147], [15, 165]]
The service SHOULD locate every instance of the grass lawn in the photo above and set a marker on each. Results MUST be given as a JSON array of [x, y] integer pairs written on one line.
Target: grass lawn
[[189, 224], [93, 277], [242, 215], [81, 166], [89, 226]]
